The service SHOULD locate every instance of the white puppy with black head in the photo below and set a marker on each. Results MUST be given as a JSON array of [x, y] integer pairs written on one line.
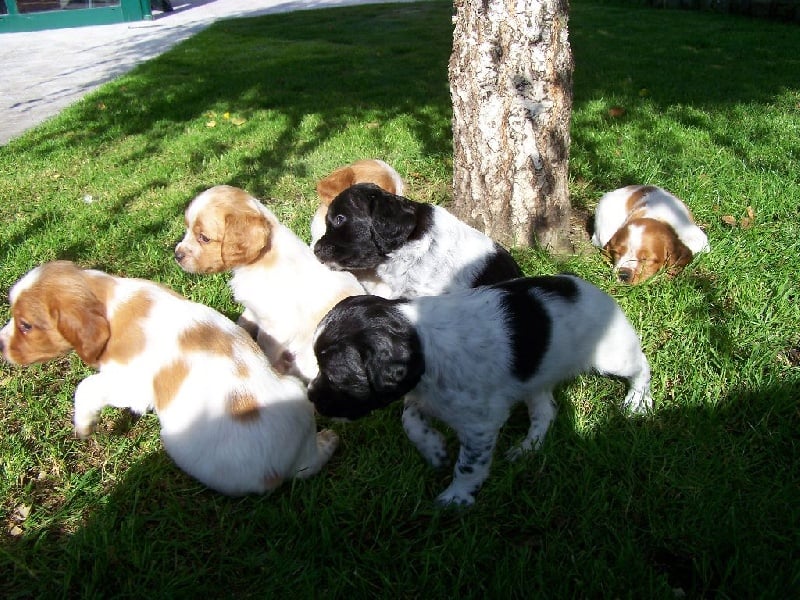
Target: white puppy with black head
[[467, 357], [401, 248]]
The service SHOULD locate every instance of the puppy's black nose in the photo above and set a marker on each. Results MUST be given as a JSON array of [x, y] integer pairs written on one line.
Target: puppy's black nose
[[625, 275], [179, 256]]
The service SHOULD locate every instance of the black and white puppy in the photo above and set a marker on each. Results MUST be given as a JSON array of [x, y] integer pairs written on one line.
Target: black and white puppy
[[467, 357], [400, 248]]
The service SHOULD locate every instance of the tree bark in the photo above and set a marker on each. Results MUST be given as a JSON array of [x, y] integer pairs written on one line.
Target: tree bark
[[511, 87]]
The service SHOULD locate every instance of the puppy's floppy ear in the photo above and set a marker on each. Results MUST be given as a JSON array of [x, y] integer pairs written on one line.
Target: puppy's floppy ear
[[615, 247], [678, 256], [81, 320], [394, 218], [329, 188], [247, 236], [395, 365], [344, 368]]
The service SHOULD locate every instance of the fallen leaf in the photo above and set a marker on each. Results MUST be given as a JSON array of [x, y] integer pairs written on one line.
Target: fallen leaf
[[23, 510], [226, 115], [211, 124], [616, 111], [238, 121], [730, 220], [16, 531], [746, 223], [751, 213]]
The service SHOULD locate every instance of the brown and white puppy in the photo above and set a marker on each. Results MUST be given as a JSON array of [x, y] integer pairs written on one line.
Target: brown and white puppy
[[362, 171], [284, 288], [644, 229], [227, 418]]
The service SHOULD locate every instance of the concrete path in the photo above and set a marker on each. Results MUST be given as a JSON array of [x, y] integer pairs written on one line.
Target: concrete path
[[42, 72]]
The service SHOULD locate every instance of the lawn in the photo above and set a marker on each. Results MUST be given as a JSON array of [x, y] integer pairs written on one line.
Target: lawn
[[699, 498]]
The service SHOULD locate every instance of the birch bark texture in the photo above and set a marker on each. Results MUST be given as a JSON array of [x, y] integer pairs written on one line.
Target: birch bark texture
[[511, 86]]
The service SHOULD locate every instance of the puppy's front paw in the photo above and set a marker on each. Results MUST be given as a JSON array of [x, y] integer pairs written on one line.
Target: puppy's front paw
[[84, 428], [454, 498], [515, 453], [638, 400], [327, 441], [527, 446]]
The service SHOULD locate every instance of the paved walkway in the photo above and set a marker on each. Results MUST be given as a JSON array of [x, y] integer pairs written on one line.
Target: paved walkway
[[42, 72]]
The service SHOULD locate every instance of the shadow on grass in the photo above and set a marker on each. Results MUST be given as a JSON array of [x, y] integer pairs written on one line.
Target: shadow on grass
[[668, 71], [689, 499], [360, 65], [312, 77], [303, 77]]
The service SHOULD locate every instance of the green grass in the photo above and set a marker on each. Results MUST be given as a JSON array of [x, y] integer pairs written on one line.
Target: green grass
[[701, 496]]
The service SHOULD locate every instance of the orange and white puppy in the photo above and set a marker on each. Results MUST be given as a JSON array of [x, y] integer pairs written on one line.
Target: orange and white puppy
[[227, 418], [284, 288], [362, 171], [644, 229]]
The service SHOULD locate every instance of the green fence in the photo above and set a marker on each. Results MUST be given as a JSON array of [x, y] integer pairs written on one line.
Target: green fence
[[34, 15]]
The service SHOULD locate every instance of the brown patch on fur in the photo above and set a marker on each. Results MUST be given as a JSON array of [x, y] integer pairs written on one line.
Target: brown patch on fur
[[167, 381], [243, 406], [248, 237], [635, 202], [242, 370], [205, 337], [660, 249], [56, 313], [127, 338], [238, 233], [35, 337], [362, 171]]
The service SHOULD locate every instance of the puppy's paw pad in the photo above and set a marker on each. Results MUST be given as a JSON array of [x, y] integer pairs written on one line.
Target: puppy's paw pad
[[453, 499], [524, 449], [638, 401]]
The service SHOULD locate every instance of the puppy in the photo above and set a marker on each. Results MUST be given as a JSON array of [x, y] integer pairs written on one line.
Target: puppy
[[467, 357], [283, 287], [362, 171], [227, 418], [644, 229], [414, 249]]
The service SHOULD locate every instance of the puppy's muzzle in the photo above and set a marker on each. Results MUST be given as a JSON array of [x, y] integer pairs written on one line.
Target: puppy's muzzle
[[625, 275]]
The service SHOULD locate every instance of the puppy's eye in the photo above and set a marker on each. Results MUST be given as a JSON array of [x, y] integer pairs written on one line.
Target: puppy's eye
[[339, 220], [203, 238], [24, 327]]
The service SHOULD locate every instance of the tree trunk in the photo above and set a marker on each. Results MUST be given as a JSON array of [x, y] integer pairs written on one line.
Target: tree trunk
[[511, 86]]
